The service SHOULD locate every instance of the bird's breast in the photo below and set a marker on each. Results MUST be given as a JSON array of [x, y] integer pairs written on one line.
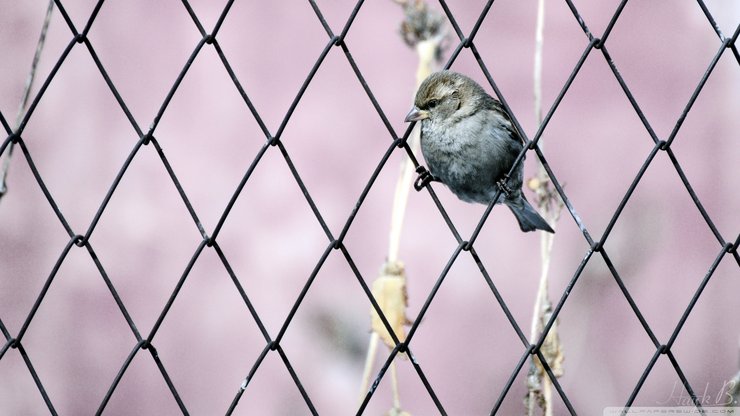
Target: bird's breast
[[469, 156]]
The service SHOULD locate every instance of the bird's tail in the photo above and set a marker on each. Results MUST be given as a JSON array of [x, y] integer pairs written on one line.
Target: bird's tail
[[529, 219]]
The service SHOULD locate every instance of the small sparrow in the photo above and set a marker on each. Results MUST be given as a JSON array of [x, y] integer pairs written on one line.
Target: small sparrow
[[470, 144]]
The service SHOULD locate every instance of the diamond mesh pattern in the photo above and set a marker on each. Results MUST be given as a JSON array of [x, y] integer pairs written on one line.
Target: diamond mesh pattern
[[335, 44]]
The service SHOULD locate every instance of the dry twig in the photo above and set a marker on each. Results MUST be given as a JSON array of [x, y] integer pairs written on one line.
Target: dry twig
[[539, 388], [423, 30], [23, 106]]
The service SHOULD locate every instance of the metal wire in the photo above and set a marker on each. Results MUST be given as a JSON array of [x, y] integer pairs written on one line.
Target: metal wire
[[273, 143]]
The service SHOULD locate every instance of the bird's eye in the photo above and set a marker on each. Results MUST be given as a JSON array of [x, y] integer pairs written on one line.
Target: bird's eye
[[432, 103]]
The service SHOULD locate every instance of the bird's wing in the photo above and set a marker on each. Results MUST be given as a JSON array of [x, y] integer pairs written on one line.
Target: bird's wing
[[496, 105]]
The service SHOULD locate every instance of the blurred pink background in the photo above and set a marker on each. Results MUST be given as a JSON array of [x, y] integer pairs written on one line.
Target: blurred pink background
[[595, 143]]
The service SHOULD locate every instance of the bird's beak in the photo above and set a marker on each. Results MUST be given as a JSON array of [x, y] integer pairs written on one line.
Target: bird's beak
[[415, 115]]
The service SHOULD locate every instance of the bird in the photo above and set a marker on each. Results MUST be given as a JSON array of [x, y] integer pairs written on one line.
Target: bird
[[470, 144]]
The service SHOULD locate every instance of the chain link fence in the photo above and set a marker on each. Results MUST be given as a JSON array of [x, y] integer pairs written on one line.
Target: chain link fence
[[596, 46]]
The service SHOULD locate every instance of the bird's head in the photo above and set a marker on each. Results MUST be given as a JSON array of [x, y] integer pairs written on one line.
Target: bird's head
[[445, 96]]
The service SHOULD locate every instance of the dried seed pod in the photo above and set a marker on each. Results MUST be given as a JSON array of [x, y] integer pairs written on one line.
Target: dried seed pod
[[389, 290]]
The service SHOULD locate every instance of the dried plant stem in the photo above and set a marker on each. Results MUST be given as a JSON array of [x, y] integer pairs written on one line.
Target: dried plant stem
[[426, 50], [394, 382], [538, 44], [23, 106], [423, 30], [545, 245], [400, 200], [372, 351], [538, 383]]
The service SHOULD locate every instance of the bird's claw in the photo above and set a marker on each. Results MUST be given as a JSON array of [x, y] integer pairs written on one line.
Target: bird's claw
[[424, 178], [503, 187]]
